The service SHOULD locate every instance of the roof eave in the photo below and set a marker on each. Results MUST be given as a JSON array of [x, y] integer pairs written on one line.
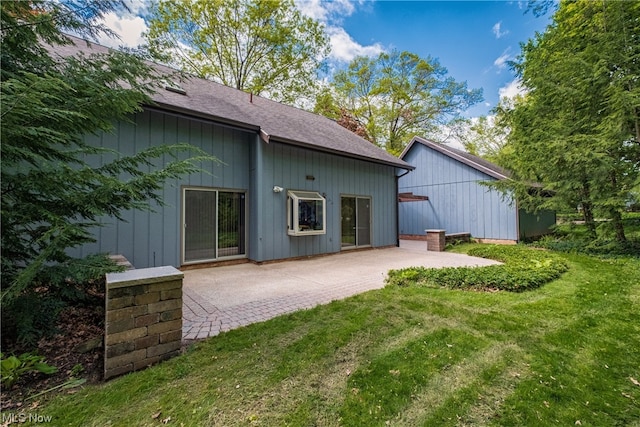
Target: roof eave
[[189, 113], [255, 128], [400, 164]]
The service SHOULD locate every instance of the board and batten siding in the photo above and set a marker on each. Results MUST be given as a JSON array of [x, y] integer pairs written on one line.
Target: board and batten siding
[[457, 203], [149, 239], [247, 164], [291, 167]]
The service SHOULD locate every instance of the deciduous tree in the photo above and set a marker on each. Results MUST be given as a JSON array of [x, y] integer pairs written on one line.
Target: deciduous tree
[[481, 136], [398, 95], [266, 47]]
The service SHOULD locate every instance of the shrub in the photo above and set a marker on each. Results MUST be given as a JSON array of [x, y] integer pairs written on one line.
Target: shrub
[[30, 317], [522, 269], [601, 247], [33, 313]]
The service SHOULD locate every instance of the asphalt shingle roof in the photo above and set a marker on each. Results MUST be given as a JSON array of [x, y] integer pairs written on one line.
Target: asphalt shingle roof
[[280, 122]]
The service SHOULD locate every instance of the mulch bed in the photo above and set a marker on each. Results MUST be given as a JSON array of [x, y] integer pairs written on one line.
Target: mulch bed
[[76, 326]]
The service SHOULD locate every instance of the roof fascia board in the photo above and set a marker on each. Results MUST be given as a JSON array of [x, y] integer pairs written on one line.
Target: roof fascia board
[[194, 115], [340, 153], [265, 136]]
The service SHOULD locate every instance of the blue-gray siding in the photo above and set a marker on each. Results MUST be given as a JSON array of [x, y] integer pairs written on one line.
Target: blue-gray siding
[[458, 202], [250, 165], [288, 167], [154, 238]]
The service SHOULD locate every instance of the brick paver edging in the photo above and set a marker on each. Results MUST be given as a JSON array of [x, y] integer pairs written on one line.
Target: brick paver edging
[[201, 319]]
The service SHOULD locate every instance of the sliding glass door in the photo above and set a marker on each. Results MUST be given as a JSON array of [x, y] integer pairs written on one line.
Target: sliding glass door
[[356, 221], [213, 224], [363, 221], [231, 217]]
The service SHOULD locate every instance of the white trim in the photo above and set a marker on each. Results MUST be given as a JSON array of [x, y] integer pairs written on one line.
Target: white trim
[[293, 214]]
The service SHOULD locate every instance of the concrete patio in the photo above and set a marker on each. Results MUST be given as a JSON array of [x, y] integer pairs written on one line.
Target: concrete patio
[[219, 299]]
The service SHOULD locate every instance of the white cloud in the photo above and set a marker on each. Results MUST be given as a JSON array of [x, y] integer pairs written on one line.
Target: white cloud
[[512, 89], [325, 11], [330, 13], [501, 61], [344, 48], [497, 30], [138, 7], [128, 28]]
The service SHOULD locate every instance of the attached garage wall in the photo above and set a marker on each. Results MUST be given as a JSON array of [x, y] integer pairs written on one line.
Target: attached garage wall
[[457, 201]]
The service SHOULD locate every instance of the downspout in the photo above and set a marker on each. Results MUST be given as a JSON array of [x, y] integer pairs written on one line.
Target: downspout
[[398, 207], [517, 222]]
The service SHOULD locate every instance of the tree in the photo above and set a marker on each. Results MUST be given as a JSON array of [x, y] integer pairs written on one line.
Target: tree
[[266, 47], [577, 129], [398, 95], [481, 136], [51, 194], [326, 106]]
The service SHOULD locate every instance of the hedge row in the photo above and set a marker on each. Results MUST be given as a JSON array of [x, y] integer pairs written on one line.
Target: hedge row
[[522, 269]]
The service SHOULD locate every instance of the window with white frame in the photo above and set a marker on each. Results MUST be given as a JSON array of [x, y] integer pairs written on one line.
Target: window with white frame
[[306, 213]]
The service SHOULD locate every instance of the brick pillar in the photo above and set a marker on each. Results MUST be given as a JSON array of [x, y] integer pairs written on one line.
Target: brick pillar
[[435, 240], [143, 323]]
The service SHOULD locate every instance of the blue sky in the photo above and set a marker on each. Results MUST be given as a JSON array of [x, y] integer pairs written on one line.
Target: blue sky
[[472, 39]]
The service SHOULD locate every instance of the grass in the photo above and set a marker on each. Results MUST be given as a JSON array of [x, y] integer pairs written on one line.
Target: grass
[[565, 354]]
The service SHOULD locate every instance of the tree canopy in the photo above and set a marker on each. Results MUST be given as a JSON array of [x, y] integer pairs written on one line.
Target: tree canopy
[[398, 95], [266, 47], [52, 191], [577, 130], [482, 136]]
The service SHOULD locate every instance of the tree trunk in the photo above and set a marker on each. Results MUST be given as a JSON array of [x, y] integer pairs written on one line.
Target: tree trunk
[[616, 216], [587, 209], [618, 226], [587, 213]]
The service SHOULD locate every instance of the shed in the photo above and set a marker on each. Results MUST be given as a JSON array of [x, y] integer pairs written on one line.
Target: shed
[[457, 201], [291, 183]]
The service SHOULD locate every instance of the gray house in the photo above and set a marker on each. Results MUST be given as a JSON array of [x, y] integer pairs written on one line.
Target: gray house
[[444, 192], [291, 183]]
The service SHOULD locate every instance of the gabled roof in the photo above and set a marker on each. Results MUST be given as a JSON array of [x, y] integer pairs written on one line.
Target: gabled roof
[[470, 160], [272, 120]]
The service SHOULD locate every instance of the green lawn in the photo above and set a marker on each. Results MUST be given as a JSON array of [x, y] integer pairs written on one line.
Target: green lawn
[[565, 354]]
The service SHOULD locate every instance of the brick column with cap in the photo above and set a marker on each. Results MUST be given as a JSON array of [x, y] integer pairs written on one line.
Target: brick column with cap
[[435, 240], [143, 318]]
